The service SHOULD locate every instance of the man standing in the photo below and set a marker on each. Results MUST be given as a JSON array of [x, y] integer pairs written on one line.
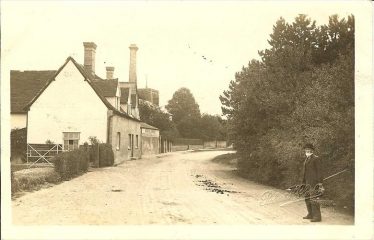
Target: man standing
[[312, 180]]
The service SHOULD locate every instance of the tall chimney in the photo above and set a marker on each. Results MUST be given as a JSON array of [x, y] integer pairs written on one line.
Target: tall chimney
[[109, 72], [132, 72], [89, 56]]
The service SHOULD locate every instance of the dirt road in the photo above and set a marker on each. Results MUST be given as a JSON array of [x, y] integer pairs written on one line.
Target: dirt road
[[178, 188]]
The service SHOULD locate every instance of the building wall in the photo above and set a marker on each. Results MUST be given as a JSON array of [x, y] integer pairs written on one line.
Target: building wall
[[124, 126], [150, 142], [214, 144], [18, 120], [186, 147], [68, 104]]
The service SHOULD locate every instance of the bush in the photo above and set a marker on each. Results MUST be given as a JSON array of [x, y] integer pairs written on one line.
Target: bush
[[18, 144], [73, 163], [106, 155], [101, 154]]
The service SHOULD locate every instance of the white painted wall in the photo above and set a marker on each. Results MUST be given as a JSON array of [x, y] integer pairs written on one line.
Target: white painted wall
[[69, 104], [18, 120]]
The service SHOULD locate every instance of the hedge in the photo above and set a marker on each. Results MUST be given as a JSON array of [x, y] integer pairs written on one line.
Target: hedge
[[72, 163], [106, 155], [18, 145], [102, 154]]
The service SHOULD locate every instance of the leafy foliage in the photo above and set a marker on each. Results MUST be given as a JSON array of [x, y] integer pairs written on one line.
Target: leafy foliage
[[154, 116], [101, 154], [183, 106], [301, 91], [106, 155], [18, 143], [188, 120], [72, 163]]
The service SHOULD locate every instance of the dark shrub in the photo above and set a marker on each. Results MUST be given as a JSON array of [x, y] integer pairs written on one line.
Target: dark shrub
[[106, 155], [100, 154], [70, 164], [18, 144]]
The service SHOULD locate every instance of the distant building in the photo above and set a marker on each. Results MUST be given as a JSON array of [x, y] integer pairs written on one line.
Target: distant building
[[150, 95]]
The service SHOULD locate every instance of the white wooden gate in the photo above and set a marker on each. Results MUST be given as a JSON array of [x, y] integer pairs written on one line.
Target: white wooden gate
[[39, 153]]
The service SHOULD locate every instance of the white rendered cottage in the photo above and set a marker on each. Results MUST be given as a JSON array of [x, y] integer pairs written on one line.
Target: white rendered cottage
[[72, 104]]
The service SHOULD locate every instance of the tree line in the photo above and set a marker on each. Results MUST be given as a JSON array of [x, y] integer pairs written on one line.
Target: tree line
[[183, 118], [301, 90]]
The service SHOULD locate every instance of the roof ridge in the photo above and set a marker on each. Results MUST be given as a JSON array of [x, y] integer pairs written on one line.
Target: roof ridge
[[33, 70]]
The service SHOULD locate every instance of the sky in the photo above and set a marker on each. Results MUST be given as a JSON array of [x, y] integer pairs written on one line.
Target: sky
[[198, 45]]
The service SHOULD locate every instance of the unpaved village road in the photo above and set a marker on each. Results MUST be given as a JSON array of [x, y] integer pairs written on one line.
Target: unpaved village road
[[178, 188]]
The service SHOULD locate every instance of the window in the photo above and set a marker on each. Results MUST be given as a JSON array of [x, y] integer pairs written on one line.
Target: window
[[137, 141], [71, 140], [118, 141], [129, 141]]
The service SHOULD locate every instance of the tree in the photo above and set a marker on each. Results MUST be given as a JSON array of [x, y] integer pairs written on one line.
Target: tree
[[183, 105], [154, 116], [301, 91], [212, 127]]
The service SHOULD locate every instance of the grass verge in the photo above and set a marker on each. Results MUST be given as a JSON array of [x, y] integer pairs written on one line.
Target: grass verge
[[228, 158], [33, 179]]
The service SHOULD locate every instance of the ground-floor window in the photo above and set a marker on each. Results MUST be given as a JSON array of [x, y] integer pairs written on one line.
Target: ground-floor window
[[137, 141], [71, 140]]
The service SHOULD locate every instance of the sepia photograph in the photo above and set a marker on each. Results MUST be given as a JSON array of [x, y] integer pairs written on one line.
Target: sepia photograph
[[187, 120]]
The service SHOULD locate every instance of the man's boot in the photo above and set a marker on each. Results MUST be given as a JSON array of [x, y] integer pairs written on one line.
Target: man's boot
[[309, 208], [316, 211]]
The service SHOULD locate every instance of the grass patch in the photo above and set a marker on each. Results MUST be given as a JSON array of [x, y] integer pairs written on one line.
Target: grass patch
[[228, 158], [33, 179]]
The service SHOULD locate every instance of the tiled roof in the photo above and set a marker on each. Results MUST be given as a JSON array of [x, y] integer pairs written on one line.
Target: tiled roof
[[24, 85], [89, 78], [124, 95], [107, 88], [146, 125]]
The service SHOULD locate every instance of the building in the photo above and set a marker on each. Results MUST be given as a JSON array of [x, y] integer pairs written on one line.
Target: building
[[150, 140], [150, 95], [70, 105]]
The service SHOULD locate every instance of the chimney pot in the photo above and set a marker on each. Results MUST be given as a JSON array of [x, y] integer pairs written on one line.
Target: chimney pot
[[109, 72], [89, 56]]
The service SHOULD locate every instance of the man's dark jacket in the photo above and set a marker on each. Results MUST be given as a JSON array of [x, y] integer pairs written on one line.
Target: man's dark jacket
[[312, 174]]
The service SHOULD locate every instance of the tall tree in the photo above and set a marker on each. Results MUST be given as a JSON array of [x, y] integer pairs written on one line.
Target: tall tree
[[183, 105], [154, 116], [302, 90]]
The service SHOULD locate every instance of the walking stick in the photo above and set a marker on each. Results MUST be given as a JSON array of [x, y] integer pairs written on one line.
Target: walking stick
[[331, 176]]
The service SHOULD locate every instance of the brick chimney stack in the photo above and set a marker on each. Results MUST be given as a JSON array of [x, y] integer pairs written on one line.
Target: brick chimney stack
[[132, 69], [109, 72], [89, 56]]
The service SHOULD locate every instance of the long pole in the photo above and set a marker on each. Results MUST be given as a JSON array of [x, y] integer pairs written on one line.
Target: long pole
[[289, 202]]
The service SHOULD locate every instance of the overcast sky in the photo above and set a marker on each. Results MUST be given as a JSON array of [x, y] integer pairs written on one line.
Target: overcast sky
[[172, 38]]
